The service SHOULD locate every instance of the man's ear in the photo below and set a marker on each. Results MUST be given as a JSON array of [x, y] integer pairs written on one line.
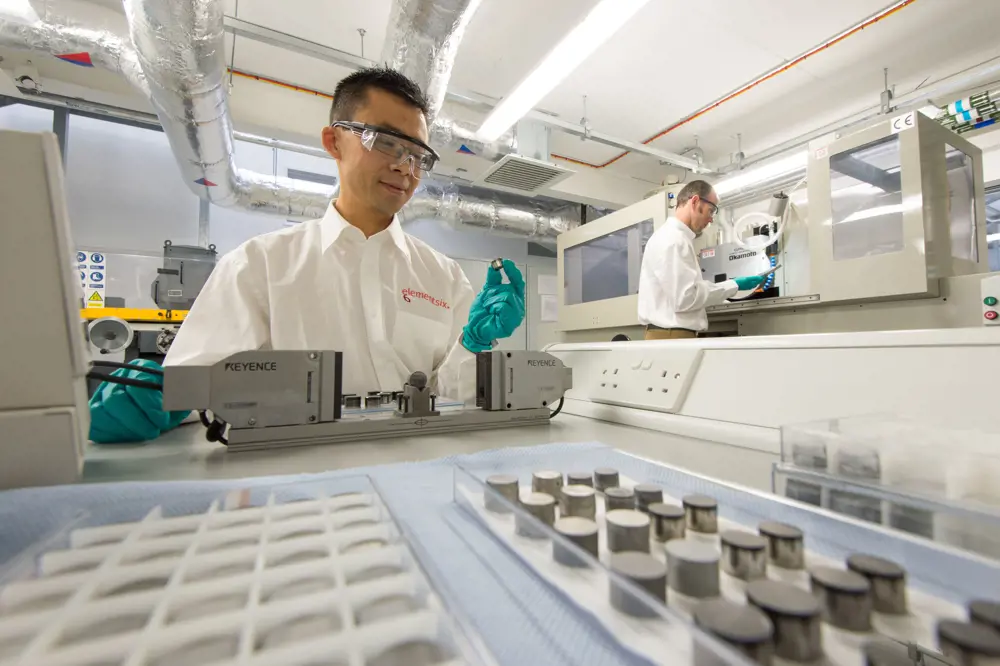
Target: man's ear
[[330, 142]]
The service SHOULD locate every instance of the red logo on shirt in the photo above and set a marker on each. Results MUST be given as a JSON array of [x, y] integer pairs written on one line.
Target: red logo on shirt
[[409, 295]]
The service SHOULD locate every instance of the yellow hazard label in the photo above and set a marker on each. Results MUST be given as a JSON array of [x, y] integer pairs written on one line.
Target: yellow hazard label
[[95, 298]]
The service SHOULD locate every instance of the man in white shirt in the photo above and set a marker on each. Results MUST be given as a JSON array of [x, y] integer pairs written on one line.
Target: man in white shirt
[[672, 294]]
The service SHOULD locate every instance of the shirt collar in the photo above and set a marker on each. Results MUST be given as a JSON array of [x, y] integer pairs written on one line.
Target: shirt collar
[[333, 225], [683, 228]]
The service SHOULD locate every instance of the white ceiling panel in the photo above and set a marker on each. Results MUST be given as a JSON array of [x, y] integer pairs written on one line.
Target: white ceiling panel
[[288, 66]]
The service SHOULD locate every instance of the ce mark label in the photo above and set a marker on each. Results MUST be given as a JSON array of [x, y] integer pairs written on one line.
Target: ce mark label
[[904, 122]]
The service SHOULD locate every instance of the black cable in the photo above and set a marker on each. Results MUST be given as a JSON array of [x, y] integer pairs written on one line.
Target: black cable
[[557, 409], [114, 364], [125, 381]]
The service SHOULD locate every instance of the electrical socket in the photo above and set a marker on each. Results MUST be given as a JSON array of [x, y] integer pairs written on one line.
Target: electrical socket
[[654, 379]]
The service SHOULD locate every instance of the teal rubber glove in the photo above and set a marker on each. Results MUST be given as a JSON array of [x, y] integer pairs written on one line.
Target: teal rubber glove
[[497, 311], [121, 413], [748, 283]]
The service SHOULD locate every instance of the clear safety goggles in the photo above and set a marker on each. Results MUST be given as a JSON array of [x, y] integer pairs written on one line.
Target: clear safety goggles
[[396, 146]]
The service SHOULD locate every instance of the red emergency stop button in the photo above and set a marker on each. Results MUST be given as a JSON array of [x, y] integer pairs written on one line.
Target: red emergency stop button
[[991, 314]]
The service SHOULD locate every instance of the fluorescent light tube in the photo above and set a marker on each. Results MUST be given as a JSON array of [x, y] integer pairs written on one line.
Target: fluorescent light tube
[[603, 21], [17, 10], [760, 174]]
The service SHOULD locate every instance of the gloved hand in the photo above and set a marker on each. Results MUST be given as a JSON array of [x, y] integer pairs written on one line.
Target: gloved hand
[[121, 413], [748, 283], [497, 310]]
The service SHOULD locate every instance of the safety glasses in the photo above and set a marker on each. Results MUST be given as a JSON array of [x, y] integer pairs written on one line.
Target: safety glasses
[[715, 208], [395, 145]]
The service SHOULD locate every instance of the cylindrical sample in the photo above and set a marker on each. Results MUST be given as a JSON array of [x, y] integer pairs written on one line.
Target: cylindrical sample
[[795, 615], [985, 612], [744, 555], [845, 597], [578, 501], [616, 499], [581, 531], [967, 644], [888, 581], [547, 482], [645, 571], [668, 521], [580, 479], [627, 530], [746, 628], [887, 652], [702, 513], [540, 505], [784, 544], [506, 486], [694, 568], [605, 477], [646, 494]]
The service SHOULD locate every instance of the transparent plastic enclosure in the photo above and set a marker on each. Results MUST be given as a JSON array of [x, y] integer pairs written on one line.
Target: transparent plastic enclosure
[[296, 574]]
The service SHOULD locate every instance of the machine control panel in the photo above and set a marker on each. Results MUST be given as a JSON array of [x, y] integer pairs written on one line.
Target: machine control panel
[[990, 292]]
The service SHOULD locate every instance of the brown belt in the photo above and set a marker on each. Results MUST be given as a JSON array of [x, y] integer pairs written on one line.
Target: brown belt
[[657, 333]]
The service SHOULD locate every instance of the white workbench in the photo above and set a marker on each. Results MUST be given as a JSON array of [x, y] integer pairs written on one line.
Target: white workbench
[[185, 454]]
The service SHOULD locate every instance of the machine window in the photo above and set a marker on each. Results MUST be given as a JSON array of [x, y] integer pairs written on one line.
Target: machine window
[[607, 266], [961, 204], [993, 227]]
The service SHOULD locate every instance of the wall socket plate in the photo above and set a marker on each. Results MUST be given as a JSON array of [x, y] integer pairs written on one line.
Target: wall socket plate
[[654, 379]]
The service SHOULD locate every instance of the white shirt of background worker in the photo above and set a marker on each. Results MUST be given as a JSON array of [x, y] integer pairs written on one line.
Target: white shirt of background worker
[[672, 293], [354, 281]]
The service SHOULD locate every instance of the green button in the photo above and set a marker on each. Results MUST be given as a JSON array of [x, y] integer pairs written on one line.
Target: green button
[[990, 301]]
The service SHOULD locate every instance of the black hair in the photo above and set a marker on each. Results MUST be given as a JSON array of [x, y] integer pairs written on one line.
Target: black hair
[[696, 187], [352, 91]]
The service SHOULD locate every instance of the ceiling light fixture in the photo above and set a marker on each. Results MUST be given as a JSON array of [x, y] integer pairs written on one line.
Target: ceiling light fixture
[[603, 21], [753, 176], [17, 10], [930, 111]]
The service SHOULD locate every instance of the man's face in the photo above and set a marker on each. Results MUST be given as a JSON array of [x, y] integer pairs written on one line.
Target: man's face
[[703, 211], [368, 175]]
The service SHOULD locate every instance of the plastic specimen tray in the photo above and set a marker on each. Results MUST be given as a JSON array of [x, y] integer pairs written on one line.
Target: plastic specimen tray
[[667, 637], [301, 574]]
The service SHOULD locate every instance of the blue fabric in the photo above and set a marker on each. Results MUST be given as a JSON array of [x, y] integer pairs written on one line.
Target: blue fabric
[[497, 311], [749, 282], [120, 413]]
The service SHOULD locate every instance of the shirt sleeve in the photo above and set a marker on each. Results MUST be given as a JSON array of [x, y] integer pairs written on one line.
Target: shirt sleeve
[[681, 280], [455, 376], [230, 315]]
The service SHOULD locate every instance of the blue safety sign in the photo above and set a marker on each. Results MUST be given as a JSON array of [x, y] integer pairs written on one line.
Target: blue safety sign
[[97, 286], [97, 258], [81, 257], [83, 276], [97, 276]]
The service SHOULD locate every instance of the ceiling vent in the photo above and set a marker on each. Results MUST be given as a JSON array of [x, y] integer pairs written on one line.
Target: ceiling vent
[[523, 175]]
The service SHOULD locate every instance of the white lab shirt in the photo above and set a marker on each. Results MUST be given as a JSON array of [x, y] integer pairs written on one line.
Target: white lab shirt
[[390, 303], [672, 293]]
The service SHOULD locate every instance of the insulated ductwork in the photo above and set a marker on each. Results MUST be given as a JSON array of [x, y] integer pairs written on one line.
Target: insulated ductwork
[[446, 132]]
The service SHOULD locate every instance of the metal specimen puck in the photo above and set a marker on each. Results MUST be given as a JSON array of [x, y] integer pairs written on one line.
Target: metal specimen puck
[[645, 571], [964, 642], [578, 501], [540, 505], [547, 481], [582, 532], [605, 477], [985, 612], [580, 479], [887, 652], [845, 597], [668, 521], [646, 494], [628, 529], [746, 628], [784, 544], [618, 498], [694, 568], [887, 579], [796, 617], [702, 513], [744, 554], [506, 486]]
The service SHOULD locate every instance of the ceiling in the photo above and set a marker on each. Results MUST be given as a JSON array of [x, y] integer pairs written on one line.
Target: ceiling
[[669, 60]]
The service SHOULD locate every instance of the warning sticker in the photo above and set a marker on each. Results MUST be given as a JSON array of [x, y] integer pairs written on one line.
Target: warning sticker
[[93, 277], [95, 298], [707, 254]]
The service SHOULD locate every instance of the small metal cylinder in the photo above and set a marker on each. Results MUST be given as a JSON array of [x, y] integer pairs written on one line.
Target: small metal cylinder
[[605, 477], [578, 501], [497, 264], [627, 530], [985, 612], [795, 615], [702, 513], [744, 555], [506, 486], [668, 521], [968, 644], [694, 568], [582, 532], [887, 579], [784, 544], [845, 597], [616, 499], [540, 505], [745, 628], [645, 571], [646, 494], [580, 479], [547, 482], [887, 652]]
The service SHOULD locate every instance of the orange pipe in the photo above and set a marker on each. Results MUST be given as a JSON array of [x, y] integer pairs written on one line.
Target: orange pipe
[[281, 84]]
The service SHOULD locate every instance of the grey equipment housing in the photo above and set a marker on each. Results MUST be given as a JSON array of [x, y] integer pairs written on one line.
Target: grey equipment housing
[[520, 380], [186, 269]]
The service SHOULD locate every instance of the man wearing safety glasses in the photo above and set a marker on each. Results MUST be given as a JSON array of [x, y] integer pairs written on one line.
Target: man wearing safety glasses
[[354, 281]]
